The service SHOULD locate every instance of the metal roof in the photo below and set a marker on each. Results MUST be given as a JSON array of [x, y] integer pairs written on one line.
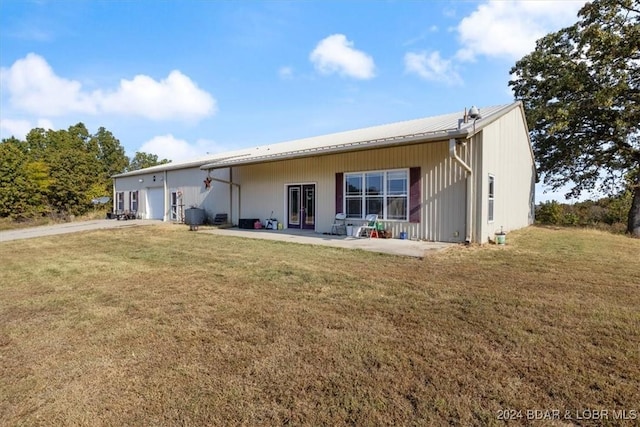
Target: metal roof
[[434, 128]]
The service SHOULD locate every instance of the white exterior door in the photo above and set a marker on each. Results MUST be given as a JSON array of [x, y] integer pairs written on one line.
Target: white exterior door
[[155, 203]]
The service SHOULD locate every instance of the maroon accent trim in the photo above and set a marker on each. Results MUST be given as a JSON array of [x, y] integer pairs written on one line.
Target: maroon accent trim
[[415, 195], [339, 195]]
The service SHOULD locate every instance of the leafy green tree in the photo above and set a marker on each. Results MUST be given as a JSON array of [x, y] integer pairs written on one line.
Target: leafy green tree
[[72, 175], [549, 213], [23, 182], [57, 172], [143, 160], [110, 153], [581, 90], [617, 207], [112, 159]]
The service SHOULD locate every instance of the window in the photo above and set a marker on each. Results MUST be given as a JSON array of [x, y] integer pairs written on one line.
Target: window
[[120, 201], [491, 198], [384, 193], [176, 207], [133, 201]]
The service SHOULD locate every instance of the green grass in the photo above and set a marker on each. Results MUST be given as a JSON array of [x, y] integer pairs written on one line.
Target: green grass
[[161, 326]]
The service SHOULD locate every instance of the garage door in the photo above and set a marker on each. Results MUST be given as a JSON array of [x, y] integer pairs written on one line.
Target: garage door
[[155, 203]]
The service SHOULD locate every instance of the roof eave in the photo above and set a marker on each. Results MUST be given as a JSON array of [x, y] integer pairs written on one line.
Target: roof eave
[[160, 168], [345, 148]]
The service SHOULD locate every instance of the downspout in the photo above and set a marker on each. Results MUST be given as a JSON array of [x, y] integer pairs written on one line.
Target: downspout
[[469, 214]]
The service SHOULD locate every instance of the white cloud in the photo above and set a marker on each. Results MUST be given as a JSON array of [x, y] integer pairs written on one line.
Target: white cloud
[[175, 149], [33, 87], [509, 29], [174, 97], [432, 67], [20, 128], [335, 54]]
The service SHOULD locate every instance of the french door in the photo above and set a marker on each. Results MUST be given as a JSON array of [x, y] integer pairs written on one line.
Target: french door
[[301, 206]]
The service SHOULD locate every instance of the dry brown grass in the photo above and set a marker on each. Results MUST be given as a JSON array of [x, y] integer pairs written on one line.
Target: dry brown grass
[[161, 326]]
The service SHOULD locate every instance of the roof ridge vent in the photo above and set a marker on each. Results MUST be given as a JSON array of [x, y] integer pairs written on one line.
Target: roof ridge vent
[[474, 113]]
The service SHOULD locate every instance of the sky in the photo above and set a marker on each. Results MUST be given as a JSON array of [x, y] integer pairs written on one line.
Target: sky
[[183, 78]]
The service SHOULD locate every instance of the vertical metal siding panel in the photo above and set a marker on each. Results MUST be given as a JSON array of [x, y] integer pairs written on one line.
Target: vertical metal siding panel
[[215, 200], [442, 186], [443, 193], [429, 174], [507, 156], [519, 168], [479, 185]]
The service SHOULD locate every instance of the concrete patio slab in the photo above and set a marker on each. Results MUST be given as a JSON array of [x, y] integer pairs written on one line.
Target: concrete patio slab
[[411, 248]]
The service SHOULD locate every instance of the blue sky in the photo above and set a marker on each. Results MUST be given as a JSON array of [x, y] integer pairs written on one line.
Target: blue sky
[[184, 78]]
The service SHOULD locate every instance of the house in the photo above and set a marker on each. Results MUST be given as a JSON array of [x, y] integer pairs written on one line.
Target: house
[[456, 177]]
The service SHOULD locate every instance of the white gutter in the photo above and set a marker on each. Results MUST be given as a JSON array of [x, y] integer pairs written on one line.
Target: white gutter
[[469, 214]]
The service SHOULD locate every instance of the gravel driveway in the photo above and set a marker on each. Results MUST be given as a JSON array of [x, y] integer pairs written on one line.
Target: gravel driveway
[[70, 227]]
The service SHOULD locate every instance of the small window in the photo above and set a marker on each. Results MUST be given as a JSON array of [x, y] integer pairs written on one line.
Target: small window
[[120, 201], [176, 207], [374, 184], [491, 198], [354, 185], [133, 201]]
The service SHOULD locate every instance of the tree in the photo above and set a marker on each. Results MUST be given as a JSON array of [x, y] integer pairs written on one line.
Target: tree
[[57, 172], [145, 160], [74, 169], [110, 153], [112, 158], [581, 90], [23, 182]]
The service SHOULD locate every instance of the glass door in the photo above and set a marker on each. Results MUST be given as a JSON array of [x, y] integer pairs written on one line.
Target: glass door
[[301, 209], [293, 216], [177, 213], [309, 206]]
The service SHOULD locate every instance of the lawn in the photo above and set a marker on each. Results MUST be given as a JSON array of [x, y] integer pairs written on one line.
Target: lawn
[[161, 326]]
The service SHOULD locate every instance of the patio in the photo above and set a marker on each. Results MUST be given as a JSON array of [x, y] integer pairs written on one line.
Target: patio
[[411, 248]]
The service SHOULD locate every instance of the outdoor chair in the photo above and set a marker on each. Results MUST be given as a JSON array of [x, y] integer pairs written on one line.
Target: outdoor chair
[[339, 224], [371, 226]]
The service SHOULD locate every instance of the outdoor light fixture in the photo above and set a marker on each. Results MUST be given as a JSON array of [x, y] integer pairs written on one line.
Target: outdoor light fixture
[[141, 180]]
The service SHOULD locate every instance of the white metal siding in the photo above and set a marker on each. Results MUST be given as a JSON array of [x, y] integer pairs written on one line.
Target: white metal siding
[[153, 191], [442, 187], [506, 154], [501, 149]]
